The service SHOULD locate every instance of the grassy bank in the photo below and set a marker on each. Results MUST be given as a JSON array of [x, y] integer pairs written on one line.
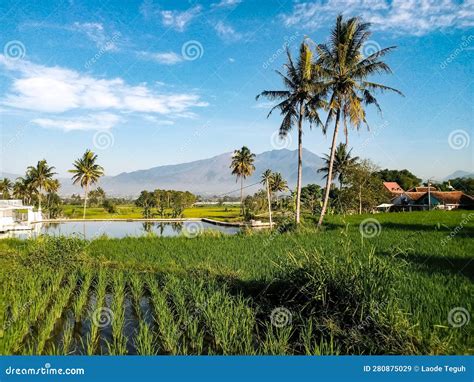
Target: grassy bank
[[223, 213], [403, 290]]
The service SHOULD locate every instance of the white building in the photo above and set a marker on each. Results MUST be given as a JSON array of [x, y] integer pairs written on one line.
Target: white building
[[15, 216]]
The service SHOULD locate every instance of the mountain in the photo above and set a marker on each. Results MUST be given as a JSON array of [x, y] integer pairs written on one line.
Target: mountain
[[210, 176], [459, 174]]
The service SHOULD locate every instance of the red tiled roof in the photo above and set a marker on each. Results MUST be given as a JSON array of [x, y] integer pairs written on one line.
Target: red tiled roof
[[393, 187]]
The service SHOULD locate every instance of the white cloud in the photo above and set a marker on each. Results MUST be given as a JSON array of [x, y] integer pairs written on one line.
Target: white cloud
[[227, 3], [179, 20], [100, 121], [402, 16], [226, 32], [157, 121], [56, 90], [96, 33], [167, 58]]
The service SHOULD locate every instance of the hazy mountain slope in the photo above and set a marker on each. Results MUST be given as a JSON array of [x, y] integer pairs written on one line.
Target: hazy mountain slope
[[209, 176]]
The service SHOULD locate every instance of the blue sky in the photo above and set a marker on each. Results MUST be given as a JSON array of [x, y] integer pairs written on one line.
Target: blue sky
[[161, 82]]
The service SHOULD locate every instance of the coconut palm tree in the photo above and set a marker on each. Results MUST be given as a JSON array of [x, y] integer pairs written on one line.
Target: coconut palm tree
[[300, 101], [342, 162], [86, 172], [267, 179], [24, 190], [278, 183], [346, 70], [242, 167], [6, 186], [40, 178]]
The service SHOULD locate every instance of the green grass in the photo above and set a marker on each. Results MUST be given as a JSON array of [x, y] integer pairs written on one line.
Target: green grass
[[223, 213], [306, 292]]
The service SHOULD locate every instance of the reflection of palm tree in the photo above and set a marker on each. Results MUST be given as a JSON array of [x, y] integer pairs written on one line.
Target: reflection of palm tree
[[242, 166], [40, 178], [342, 162], [342, 63], [86, 172], [298, 103]]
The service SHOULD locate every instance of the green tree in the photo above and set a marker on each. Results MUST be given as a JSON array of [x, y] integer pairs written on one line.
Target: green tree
[[404, 178], [278, 184], [242, 166], [6, 186], [346, 70], [86, 172], [146, 200], [311, 195], [40, 177], [364, 189], [342, 161], [300, 101]]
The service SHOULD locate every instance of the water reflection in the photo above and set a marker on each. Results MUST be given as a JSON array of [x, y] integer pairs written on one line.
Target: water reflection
[[112, 229]]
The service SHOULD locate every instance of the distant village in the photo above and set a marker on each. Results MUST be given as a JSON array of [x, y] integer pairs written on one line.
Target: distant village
[[424, 198]]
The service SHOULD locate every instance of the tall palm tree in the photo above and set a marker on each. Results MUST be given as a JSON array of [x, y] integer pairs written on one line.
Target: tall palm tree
[[298, 102], [346, 70], [86, 172], [267, 179], [6, 186], [242, 167], [40, 177], [278, 183], [342, 162]]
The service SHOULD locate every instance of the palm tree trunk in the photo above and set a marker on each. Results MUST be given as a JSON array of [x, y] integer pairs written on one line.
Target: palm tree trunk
[[85, 201], [241, 196], [360, 199], [331, 163], [300, 165], [39, 198], [269, 205]]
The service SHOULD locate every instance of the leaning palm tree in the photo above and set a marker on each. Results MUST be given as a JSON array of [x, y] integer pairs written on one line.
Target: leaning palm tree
[[40, 177], [346, 71], [242, 167], [342, 162], [86, 172], [300, 101], [6, 186], [267, 179]]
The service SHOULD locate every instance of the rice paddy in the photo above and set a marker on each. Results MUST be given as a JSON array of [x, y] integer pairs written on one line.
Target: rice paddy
[[406, 290]]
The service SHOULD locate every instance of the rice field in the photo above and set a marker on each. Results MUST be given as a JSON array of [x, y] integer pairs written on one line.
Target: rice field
[[407, 289]]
